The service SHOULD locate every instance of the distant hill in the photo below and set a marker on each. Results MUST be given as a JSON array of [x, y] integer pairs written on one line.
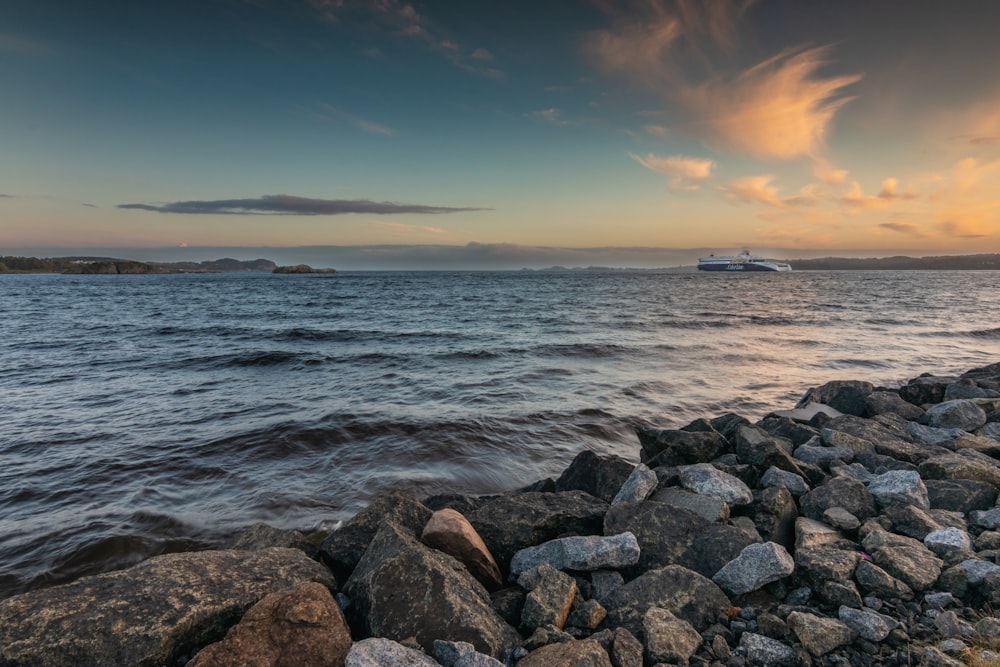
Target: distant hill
[[111, 265], [943, 263]]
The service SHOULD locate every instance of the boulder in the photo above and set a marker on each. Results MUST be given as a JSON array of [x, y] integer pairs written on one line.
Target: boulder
[[846, 396], [707, 507], [403, 589], [156, 612], [844, 492], [582, 653], [789, 429], [462, 654], [929, 435], [948, 540], [810, 534], [774, 514], [795, 484], [911, 521], [987, 446], [683, 592], [925, 389], [449, 531], [822, 456], [961, 465], [261, 536], [757, 447], [819, 565], [303, 626], [960, 495], [914, 564], [761, 650], [679, 447], [899, 487], [840, 518], [963, 413], [639, 485], [600, 476], [890, 402], [581, 553], [756, 566], [668, 638], [874, 580], [819, 635], [988, 519], [550, 597], [381, 652], [343, 548], [886, 435], [867, 623], [509, 523], [708, 480]]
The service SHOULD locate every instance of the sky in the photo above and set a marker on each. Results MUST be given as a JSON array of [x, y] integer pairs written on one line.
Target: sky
[[508, 129]]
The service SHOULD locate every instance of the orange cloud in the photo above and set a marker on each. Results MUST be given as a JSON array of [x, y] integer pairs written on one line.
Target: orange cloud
[[758, 189], [858, 200], [829, 174], [904, 228], [779, 109], [685, 172]]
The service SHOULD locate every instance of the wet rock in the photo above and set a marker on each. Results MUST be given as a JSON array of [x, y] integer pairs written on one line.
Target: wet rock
[[343, 548], [899, 487], [964, 414], [550, 597], [152, 613], [709, 508], [303, 626], [261, 536], [756, 566], [761, 650], [674, 448], [707, 480], [639, 485], [795, 484], [380, 652], [889, 402], [839, 492], [868, 624], [509, 523], [403, 589], [600, 476], [450, 532], [582, 653], [581, 553], [960, 495], [819, 635], [683, 592], [668, 638], [846, 396]]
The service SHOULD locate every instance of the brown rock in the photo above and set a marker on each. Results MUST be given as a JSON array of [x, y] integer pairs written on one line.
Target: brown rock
[[584, 653], [303, 626], [449, 531]]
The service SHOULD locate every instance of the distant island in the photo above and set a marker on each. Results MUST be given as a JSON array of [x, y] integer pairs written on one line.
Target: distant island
[[943, 263], [111, 266], [301, 268]]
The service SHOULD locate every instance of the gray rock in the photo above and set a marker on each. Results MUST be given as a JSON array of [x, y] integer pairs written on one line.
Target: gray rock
[[873, 579], [929, 435], [819, 565], [757, 447], [380, 652], [600, 476], [960, 495], [911, 521], [990, 430], [756, 566], [639, 485], [604, 583], [889, 402], [711, 509], [949, 625], [403, 589], [961, 465], [913, 564], [885, 433], [963, 413], [940, 600], [708, 480], [668, 638], [448, 653], [932, 656], [774, 513], [948, 540], [853, 471], [550, 597], [868, 624], [988, 519], [819, 635], [840, 518], [682, 591], [967, 389], [582, 553], [839, 492], [152, 613], [261, 536], [899, 487], [761, 650], [846, 396], [795, 484], [680, 447], [823, 457]]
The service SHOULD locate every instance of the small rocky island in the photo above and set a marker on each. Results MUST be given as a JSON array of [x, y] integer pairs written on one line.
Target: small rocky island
[[301, 268], [860, 528]]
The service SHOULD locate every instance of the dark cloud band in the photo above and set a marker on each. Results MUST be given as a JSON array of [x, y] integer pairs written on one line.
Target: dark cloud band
[[289, 205]]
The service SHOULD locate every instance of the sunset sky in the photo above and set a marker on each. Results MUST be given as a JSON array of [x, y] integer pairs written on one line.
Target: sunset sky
[[778, 124]]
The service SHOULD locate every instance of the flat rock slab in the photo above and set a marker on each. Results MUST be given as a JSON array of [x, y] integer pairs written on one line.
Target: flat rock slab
[[154, 613], [581, 553], [756, 566], [708, 480]]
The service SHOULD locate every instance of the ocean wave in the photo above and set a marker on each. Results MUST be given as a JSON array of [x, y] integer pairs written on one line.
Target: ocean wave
[[984, 333]]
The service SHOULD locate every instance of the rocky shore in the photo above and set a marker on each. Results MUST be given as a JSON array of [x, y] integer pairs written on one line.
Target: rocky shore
[[860, 528]]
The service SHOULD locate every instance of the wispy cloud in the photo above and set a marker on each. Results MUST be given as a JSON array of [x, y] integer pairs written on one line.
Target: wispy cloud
[[759, 189], [328, 112], [400, 228], [685, 173], [290, 205], [856, 199], [829, 174], [551, 115], [88, 205], [906, 228]]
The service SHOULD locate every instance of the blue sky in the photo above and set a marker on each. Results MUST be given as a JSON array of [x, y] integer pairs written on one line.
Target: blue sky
[[801, 127]]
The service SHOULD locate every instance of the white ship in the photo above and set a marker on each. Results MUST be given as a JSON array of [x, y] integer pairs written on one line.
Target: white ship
[[741, 262]]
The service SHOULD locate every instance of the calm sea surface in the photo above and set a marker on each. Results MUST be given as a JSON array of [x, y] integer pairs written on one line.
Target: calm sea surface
[[142, 414]]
